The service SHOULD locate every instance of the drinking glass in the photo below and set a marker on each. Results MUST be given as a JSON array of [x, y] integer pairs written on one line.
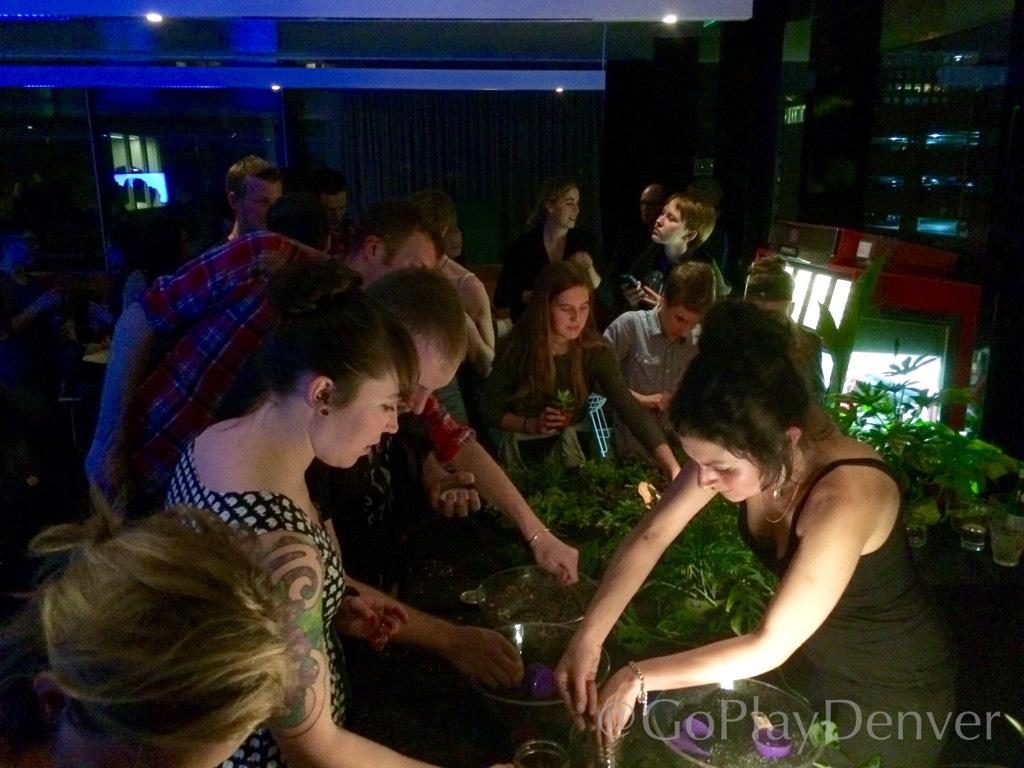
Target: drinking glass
[[1007, 540]]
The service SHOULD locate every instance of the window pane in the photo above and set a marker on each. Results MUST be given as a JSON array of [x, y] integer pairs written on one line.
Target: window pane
[[158, 147], [46, 175]]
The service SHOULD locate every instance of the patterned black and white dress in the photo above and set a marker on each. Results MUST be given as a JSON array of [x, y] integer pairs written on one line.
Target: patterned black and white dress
[[264, 512]]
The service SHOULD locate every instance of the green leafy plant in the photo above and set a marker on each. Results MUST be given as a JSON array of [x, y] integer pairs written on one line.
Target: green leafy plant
[[824, 734], [565, 400], [706, 586], [938, 468]]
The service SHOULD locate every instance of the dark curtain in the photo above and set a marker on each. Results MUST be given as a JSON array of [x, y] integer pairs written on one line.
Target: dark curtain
[[489, 150]]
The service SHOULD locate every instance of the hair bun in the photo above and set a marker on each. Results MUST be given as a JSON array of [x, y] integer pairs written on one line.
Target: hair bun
[[772, 264], [300, 288], [738, 333]]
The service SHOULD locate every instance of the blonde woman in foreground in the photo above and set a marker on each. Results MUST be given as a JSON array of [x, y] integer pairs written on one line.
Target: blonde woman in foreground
[[159, 644]]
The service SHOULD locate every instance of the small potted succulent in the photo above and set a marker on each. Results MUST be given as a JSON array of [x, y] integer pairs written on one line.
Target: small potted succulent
[[565, 401]]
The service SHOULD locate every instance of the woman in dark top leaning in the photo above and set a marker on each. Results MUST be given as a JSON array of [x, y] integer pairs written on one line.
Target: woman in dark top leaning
[[552, 237], [849, 622], [547, 367]]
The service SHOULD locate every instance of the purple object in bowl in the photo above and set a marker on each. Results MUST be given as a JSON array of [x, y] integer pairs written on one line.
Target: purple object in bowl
[[694, 727], [772, 743], [539, 682]]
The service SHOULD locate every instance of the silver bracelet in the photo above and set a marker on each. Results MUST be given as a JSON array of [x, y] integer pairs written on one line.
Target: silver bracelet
[[537, 535], [642, 698]]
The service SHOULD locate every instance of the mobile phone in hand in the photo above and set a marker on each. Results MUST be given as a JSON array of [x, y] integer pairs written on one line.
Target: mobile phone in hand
[[629, 281]]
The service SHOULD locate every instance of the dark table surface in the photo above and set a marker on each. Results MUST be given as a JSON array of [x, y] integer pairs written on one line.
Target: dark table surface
[[418, 704]]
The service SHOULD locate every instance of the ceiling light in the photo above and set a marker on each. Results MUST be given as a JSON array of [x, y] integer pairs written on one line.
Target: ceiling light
[[154, 18], [275, 87], [670, 19]]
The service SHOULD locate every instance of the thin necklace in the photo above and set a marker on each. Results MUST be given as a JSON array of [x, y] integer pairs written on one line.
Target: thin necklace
[[788, 509]]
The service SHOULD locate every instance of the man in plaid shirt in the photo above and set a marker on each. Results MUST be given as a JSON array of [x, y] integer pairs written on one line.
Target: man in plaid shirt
[[211, 315]]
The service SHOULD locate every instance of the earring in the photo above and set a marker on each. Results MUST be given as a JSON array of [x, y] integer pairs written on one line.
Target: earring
[[778, 487], [324, 411]]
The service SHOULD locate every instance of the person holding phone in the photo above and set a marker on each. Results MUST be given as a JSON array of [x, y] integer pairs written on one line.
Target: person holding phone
[[685, 223]]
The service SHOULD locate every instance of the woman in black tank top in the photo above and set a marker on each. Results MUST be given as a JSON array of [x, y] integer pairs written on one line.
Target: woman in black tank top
[[849, 624]]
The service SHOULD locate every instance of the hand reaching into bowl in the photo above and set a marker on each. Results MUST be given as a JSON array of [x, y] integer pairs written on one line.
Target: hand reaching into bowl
[[556, 557], [484, 656], [576, 678], [616, 703]]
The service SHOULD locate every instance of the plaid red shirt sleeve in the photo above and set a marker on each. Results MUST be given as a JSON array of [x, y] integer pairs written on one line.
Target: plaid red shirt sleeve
[[175, 301], [215, 309], [446, 434]]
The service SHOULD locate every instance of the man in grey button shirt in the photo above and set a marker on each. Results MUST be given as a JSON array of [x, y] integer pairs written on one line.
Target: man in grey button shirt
[[655, 346]]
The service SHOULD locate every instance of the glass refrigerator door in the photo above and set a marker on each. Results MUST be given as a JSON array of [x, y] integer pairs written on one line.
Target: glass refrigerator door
[[887, 340]]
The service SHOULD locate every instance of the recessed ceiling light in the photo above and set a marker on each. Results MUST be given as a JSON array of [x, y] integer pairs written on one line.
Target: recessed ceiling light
[[559, 89], [275, 87], [154, 18], [670, 19]]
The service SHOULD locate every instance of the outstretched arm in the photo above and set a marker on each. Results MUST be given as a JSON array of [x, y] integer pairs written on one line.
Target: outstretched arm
[[305, 731], [640, 421], [631, 564], [481, 654], [834, 530], [130, 354], [550, 552]]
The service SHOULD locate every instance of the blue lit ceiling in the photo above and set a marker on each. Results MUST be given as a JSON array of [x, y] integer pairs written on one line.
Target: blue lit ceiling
[[498, 10], [458, 44]]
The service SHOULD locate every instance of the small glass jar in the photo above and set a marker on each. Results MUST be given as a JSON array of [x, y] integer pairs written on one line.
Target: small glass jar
[[541, 753], [973, 535]]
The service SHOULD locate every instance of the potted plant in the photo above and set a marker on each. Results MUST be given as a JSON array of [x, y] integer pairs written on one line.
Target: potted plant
[[565, 401], [941, 472]]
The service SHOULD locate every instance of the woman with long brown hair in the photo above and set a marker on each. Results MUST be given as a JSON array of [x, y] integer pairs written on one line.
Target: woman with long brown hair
[[550, 364]]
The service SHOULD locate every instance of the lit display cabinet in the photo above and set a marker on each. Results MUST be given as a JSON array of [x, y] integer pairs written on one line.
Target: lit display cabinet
[[917, 309]]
